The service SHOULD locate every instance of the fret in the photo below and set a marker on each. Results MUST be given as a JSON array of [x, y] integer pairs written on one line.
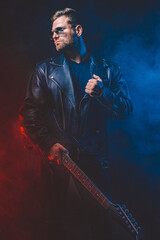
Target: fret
[[83, 179], [93, 190], [77, 173], [74, 166], [74, 171], [70, 166], [67, 159], [90, 186], [101, 199], [97, 194], [106, 204], [86, 182], [69, 163], [81, 175]]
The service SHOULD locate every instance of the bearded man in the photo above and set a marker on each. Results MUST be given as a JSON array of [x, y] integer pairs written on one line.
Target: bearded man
[[69, 100]]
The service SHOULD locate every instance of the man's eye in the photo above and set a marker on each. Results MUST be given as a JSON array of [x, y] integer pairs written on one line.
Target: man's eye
[[60, 29]]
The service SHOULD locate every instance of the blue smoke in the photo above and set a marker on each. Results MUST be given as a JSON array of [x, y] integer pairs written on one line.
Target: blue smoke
[[140, 65], [138, 54]]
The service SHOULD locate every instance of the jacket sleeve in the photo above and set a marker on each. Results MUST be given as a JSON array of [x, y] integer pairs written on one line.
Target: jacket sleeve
[[115, 95], [33, 112]]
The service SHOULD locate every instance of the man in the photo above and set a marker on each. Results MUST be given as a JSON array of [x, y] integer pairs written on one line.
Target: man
[[69, 99]]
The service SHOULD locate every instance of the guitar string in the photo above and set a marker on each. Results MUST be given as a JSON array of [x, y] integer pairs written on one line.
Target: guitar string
[[80, 171]]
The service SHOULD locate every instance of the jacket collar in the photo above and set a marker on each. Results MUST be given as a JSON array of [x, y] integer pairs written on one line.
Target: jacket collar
[[59, 60]]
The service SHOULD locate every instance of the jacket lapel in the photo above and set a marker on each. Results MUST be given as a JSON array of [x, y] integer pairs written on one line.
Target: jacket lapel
[[61, 74], [97, 67]]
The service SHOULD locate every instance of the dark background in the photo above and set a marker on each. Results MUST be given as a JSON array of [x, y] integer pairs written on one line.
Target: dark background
[[129, 34]]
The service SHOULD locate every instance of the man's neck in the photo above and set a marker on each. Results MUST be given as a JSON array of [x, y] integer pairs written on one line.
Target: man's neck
[[77, 54]]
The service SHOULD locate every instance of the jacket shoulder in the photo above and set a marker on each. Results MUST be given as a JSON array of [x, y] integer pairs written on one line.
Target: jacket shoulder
[[44, 63], [110, 63], [57, 60], [106, 62]]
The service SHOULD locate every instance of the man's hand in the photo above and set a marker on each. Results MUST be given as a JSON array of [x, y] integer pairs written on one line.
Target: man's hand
[[94, 86], [55, 153]]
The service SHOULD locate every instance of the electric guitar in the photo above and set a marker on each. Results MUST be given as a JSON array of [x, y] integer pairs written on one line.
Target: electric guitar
[[120, 213]]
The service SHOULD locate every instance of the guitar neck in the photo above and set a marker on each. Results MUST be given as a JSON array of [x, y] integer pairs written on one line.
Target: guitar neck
[[85, 181]]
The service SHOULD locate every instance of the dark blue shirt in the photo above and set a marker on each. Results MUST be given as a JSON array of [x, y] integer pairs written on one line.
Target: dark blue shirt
[[80, 75]]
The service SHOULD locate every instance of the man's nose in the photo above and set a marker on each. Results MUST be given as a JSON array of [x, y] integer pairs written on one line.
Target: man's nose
[[55, 35]]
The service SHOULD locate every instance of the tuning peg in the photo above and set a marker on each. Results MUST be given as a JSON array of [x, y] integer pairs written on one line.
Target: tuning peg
[[127, 211], [118, 208], [139, 229], [123, 206], [123, 217], [133, 220], [130, 215], [136, 224], [126, 222]]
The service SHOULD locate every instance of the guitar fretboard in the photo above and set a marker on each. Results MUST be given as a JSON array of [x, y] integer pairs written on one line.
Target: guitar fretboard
[[85, 181]]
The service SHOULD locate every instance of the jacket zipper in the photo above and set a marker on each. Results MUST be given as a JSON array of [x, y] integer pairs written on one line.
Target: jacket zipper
[[64, 125], [91, 73]]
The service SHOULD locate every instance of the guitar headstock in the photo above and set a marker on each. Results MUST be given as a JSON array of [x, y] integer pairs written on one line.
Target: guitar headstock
[[126, 219]]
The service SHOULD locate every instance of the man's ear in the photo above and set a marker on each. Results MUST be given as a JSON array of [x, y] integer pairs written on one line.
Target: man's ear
[[78, 30]]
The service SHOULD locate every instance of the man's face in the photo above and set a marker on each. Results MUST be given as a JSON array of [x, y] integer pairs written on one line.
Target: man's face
[[64, 35]]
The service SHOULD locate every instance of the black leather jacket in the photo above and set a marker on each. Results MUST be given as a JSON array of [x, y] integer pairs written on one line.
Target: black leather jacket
[[50, 96]]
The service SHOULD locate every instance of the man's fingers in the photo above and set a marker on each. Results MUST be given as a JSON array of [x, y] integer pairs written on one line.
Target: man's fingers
[[56, 152], [93, 80], [62, 148], [94, 86], [91, 92], [91, 84], [97, 77]]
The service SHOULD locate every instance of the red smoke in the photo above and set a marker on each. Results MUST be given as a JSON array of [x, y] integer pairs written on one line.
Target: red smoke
[[21, 193]]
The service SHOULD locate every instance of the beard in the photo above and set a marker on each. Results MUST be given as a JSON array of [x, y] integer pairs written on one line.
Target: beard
[[67, 46], [61, 48]]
